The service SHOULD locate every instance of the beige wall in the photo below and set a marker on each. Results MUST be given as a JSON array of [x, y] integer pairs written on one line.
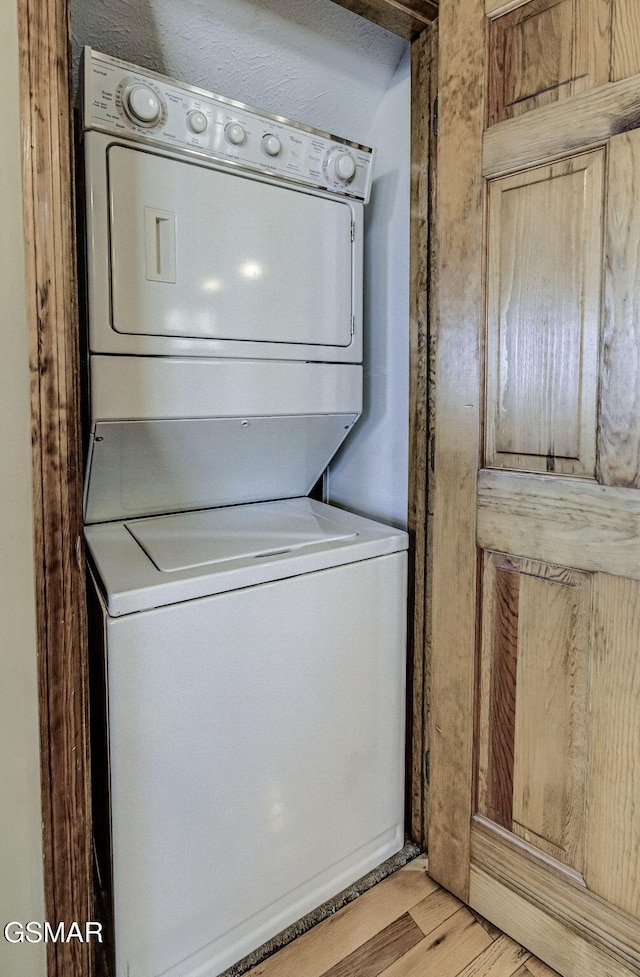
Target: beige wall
[[21, 883]]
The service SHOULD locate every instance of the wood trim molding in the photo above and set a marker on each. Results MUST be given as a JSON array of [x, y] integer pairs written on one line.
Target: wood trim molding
[[408, 18], [461, 195], [576, 124], [424, 78], [57, 473]]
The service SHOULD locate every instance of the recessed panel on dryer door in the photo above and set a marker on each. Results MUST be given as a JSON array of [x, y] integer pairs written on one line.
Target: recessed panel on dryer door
[[205, 254]]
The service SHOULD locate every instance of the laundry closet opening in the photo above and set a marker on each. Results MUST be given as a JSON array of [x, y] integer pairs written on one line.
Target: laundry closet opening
[[334, 71]]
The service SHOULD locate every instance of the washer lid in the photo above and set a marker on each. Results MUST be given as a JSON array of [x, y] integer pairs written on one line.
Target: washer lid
[[213, 536], [216, 551]]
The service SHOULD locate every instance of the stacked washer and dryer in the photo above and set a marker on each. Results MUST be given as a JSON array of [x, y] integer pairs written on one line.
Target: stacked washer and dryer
[[252, 638]]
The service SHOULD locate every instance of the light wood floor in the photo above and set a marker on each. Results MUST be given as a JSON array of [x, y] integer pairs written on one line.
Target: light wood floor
[[406, 926]]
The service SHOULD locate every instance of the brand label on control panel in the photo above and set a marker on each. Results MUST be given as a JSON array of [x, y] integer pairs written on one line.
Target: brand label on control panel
[[126, 100]]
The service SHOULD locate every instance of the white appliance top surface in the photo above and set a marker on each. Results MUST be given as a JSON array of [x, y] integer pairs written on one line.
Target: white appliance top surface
[[152, 562], [214, 536]]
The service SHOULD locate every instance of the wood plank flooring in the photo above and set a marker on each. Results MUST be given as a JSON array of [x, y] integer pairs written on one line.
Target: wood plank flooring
[[406, 926]]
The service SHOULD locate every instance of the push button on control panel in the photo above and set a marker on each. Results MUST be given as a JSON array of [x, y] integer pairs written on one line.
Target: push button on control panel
[[197, 121], [234, 133], [271, 145]]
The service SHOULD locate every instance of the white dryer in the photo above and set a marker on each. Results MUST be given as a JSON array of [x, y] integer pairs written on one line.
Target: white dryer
[[249, 641]]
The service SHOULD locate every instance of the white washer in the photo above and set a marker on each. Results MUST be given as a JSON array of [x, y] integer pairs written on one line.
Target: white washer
[[251, 640], [254, 662]]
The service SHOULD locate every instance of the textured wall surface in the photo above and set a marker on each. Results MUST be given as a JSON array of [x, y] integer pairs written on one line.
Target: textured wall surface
[[370, 473], [311, 61]]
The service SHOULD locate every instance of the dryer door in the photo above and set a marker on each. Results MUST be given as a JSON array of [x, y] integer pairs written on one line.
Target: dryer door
[[210, 262]]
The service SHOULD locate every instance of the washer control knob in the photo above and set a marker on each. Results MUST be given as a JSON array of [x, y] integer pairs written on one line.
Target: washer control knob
[[142, 105], [271, 145], [197, 121], [345, 167], [234, 133], [340, 166]]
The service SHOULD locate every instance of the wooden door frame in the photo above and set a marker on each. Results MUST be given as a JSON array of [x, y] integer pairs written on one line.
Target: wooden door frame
[[458, 380], [43, 37], [51, 275]]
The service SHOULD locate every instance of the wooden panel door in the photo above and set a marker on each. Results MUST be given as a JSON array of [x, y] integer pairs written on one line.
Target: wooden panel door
[[535, 755]]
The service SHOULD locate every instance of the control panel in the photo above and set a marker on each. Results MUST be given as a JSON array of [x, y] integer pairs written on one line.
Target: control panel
[[122, 99]]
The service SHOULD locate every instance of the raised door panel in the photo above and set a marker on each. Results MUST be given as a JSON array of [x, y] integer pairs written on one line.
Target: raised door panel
[[544, 294], [550, 730], [535, 662], [545, 51]]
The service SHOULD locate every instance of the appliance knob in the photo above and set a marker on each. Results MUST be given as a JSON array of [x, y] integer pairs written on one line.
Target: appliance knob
[[197, 121], [234, 133], [271, 144], [340, 166], [142, 105]]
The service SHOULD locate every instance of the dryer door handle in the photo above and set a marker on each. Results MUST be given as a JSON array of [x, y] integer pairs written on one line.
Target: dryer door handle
[[160, 245]]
